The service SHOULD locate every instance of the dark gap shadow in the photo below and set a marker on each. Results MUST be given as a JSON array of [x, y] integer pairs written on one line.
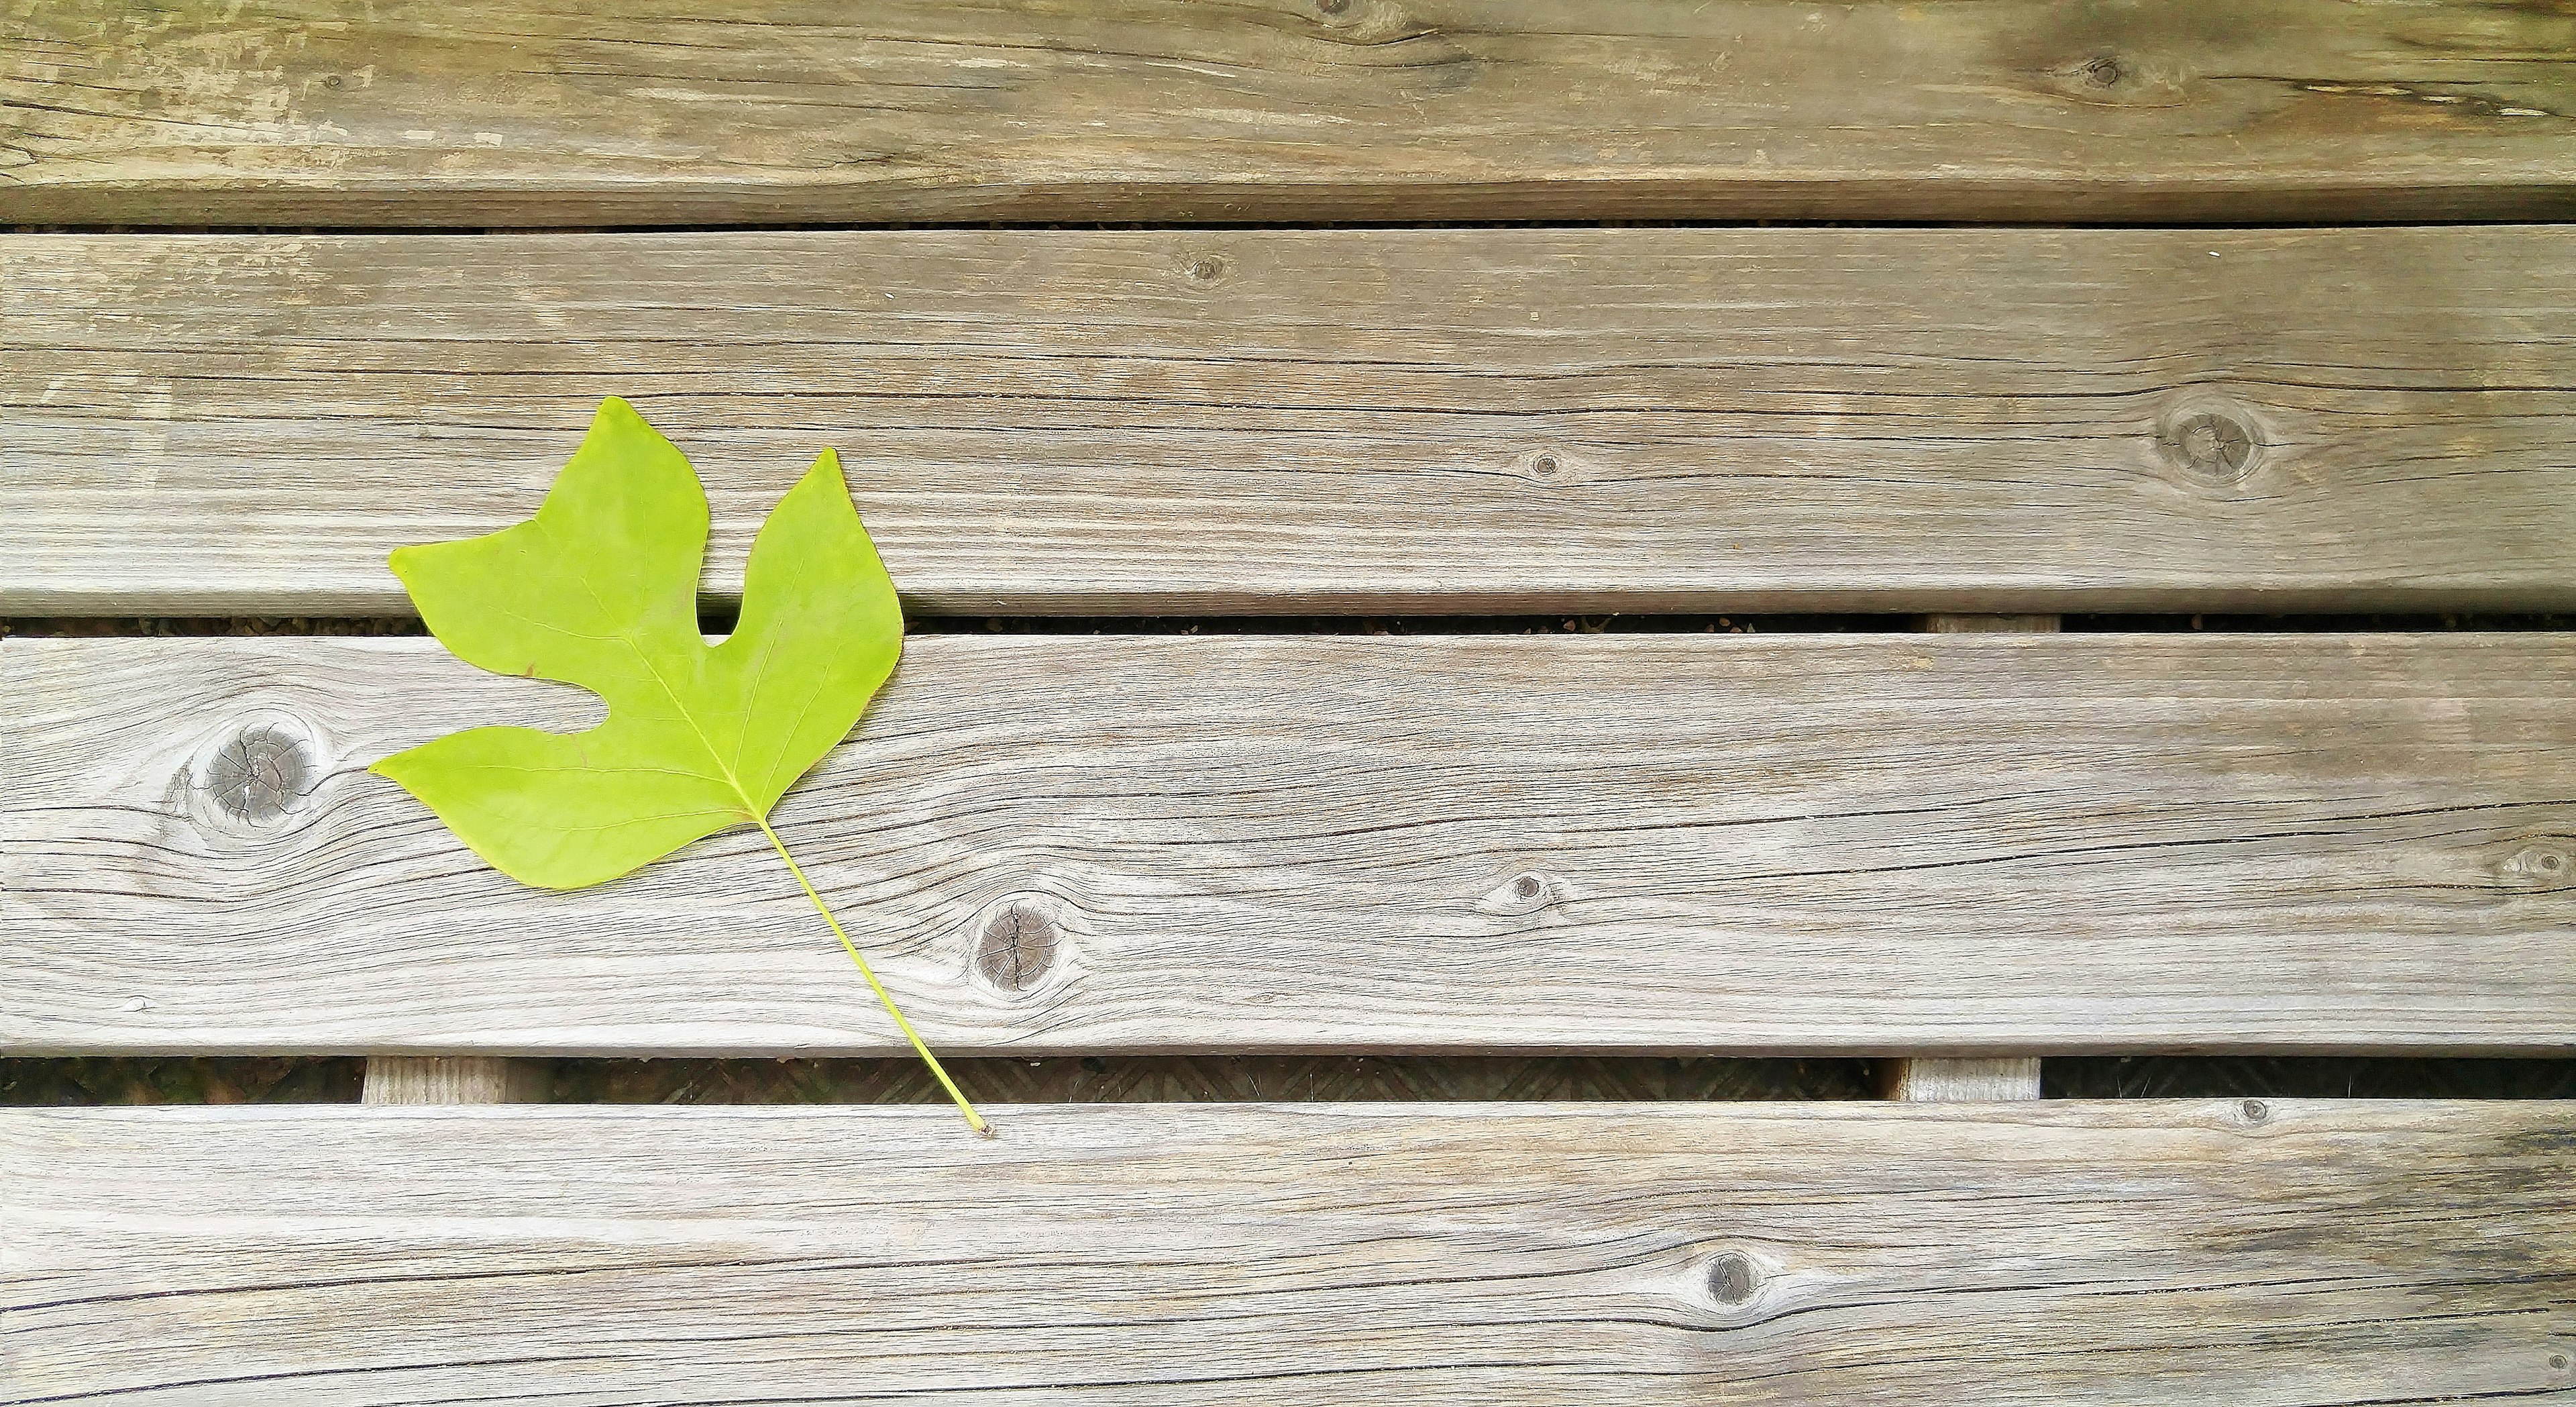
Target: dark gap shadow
[[90, 1080], [2304, 1077], [718, 618], [181, 1079]]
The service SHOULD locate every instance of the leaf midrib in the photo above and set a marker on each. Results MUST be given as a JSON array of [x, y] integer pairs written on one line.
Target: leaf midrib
[[626, 636], [749, 811]]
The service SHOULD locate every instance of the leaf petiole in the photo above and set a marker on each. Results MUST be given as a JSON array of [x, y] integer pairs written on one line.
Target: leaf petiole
[[974, 1120]]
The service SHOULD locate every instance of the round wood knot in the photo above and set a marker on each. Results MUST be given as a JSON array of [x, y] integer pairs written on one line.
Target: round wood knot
[[2212, 444], [1018, 946], [2543, 866], [1206, 268], [1523, 894], [1733, 1278], [1545, 466], [2255, 1111], [256, 776], [2103, 72]]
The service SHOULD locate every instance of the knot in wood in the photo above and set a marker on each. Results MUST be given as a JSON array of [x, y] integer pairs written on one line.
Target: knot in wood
[[1544, 466], [1019, 944], [2213, 445], [1528, 886], [1206, 268], [2543, 866], [256, 776], [1732, 1278], [2255, 1111], [1332, 7], [2102, 72]]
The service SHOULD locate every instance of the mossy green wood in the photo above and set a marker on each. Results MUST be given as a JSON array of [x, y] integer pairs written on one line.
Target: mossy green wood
[[600, 589]]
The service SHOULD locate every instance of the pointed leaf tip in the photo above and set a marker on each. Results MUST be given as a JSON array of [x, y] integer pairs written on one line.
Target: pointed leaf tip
[[827, 465]]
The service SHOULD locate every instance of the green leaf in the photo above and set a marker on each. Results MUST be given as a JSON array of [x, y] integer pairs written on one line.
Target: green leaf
[[600, 589]]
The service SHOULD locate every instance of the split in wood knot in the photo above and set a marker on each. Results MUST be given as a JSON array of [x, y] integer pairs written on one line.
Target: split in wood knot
[[2102, 72], [1204, 269], [256, 776], [1018, 945], [2213, 445], [1732, 1277]]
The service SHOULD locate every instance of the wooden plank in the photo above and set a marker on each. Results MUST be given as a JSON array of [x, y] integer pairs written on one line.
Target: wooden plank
[[485, 112], [1947, 624], [441, 1079], [2239, 1251], [1855, 844], [1932, 1081], [1234, 422], [2001, 1077]]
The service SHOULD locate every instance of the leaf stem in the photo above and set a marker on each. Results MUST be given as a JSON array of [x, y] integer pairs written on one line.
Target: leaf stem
[[974, 1120]]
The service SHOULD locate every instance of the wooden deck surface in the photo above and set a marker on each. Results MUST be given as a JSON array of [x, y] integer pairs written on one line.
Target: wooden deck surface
[[1188, 422], [508, 112], [1962, 844], [285, 284], [2253, 1252]]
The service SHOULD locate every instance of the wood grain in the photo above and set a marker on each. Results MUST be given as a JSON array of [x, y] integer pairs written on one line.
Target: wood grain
[[468, 1079], [1995, 1077], [507, 112], [2002, 1077], [2239, 1251], [1237, 422], [1857, 844]]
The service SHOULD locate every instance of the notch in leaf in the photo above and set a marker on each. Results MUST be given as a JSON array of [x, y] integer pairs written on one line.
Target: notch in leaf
[[600, 589]]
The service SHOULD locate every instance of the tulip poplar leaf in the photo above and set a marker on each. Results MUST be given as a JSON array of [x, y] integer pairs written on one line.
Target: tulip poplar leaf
[[600, 590]]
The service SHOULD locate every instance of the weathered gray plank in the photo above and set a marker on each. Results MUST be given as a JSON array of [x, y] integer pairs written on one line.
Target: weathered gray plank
[[1266, 421], [2245, 1252], [1992, 1077], [461, 1079], [481, 112], [1952, 624], [1893, 844]]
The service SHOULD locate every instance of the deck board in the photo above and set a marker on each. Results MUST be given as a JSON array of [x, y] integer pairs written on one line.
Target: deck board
[[1237, 422], [2264, 1253], [1821, 844], [477, 113]]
